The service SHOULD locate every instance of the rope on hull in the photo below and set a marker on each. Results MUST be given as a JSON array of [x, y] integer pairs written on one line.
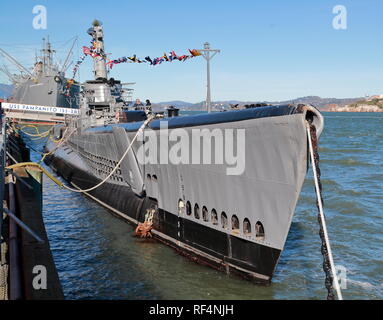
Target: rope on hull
[[150, 118], [328, 261]]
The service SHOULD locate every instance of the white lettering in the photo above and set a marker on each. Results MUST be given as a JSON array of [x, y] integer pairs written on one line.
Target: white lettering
[[27, 107], [40, 281], [40, 20], [340, 20]]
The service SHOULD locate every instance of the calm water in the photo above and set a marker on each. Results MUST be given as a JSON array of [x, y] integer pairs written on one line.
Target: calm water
[[97, 257]]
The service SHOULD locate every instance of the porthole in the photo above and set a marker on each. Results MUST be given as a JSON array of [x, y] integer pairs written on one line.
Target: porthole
[[224, 220], [188, 208], [205, 214], [259, 231], [214, 217], [234, 223], [154, 177], [196, 211], [148, 176], [181, 207], [246, 227]]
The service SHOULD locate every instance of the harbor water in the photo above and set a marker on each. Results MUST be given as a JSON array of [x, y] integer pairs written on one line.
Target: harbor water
[[97, 256]]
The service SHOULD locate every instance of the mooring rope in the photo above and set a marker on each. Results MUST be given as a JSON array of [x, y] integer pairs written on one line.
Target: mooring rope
[[150, 118], [328, 261], [37, 164], [34, 164], [60, 142], [23, 164], [37, 134]]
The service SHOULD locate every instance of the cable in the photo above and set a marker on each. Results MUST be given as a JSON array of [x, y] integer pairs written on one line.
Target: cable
[[150, 118], [322, 216], [38, 134], [33, 164], [60, 142]]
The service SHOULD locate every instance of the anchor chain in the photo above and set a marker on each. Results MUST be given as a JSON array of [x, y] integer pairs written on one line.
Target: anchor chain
[[324, 250]]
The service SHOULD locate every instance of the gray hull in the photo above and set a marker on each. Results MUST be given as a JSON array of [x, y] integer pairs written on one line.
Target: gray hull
[[265, 194], [45, 92]]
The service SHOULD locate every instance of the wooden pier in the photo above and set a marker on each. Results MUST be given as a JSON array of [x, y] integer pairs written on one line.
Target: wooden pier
[[20, 116], [27, 270]]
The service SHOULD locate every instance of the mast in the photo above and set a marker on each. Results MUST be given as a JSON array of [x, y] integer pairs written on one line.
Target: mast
[[99, 65], [47, 56], [64, 66], [206, 54]]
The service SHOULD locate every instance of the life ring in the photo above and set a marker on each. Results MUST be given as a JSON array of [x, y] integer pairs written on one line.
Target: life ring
[[57, 79]]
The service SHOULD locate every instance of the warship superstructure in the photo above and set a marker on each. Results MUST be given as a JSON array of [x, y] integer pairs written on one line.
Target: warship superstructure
[[45, 85], [235, 222]]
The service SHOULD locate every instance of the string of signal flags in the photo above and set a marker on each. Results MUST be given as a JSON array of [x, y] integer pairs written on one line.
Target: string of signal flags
[[172, 56], [91, 51], [156, 61]]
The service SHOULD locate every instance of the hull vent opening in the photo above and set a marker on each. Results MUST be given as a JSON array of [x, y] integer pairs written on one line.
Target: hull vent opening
[[235, 224], [224, 220], [214, 217], [188, 208], [259, 231], [246, 227], [196, 211], [205, 214]]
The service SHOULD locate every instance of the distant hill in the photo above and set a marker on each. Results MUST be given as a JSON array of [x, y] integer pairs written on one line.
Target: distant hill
[[5, 90], [177, 103], [321, 103], [372, 104]]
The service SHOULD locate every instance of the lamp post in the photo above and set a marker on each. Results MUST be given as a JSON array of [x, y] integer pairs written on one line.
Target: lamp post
[[206, 54]]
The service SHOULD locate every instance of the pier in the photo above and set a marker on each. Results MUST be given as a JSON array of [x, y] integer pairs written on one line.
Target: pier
[[27, 270]]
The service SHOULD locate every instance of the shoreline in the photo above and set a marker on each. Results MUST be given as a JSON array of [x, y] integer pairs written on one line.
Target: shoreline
[[351, 111]]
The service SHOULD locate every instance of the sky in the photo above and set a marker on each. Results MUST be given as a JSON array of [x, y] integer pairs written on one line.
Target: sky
[[271, 50]]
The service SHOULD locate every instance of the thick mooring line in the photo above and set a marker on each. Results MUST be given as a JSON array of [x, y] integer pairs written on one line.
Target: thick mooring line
[[326, 245]]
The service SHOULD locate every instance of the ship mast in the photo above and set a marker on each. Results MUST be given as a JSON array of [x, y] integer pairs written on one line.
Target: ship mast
[[206, 54], [98, 44], [65, 64], [47, 56]]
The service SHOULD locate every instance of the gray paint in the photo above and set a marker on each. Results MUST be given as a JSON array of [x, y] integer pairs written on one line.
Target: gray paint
[[267, 191]]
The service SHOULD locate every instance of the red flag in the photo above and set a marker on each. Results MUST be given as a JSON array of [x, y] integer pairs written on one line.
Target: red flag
[[110, 63], [86, 50]]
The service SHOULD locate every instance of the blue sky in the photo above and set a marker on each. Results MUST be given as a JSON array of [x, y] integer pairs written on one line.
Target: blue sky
[[270, 50]]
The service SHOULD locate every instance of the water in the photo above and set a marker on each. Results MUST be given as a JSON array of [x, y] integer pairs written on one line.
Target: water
[[97, 257]]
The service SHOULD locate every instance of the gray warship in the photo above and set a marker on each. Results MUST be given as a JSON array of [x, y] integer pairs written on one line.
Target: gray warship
[[46, 84], [236, 223]]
